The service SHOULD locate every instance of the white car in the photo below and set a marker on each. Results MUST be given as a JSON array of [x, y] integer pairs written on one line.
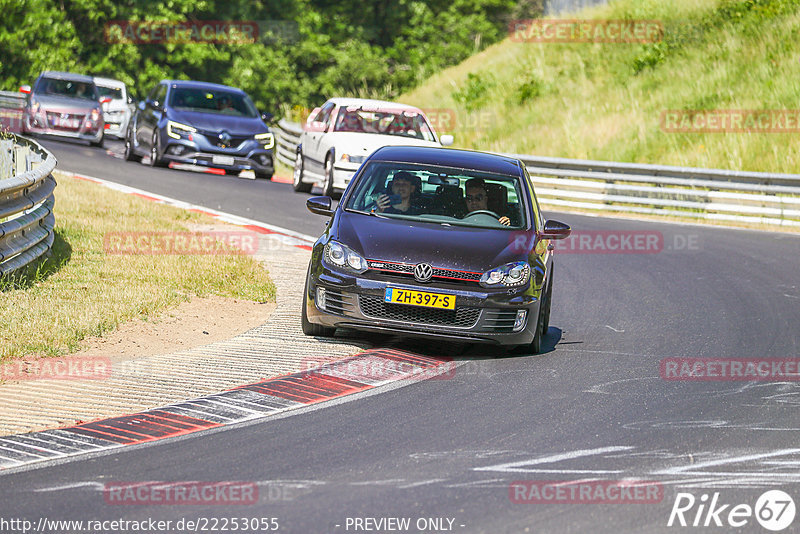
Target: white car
[[116, 113], [339, 136]]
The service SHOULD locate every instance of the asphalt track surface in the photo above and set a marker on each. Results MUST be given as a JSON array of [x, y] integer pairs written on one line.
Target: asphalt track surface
[[593, 406]]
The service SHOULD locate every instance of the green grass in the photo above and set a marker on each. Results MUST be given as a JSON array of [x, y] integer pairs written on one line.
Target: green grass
[[604, 101], [81, 291]]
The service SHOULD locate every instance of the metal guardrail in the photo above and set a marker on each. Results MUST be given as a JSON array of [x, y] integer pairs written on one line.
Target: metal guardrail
[[26, 203], [710, 194], [11, 106], [287, 137]]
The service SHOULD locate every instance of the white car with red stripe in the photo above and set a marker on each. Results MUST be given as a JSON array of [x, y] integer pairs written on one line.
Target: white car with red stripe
[[339, 135]]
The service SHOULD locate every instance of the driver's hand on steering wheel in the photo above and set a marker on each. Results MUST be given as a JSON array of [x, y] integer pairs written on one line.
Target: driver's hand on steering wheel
[[504, 221]]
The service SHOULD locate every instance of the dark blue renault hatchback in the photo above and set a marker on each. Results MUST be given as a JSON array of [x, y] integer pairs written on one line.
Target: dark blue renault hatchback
[[437, 243], [201, 123]]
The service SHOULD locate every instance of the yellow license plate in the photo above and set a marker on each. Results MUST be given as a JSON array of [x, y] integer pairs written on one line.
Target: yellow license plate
[[419, 298]]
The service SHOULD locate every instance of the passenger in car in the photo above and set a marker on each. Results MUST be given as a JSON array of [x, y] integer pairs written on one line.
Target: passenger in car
[[404, 187], [477, 198]]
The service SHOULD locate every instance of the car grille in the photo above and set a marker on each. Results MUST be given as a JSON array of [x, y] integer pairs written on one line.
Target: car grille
[[408, 269], [376, 308], [499, 320]]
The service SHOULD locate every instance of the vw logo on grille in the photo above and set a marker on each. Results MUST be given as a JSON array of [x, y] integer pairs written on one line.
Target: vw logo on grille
[[423, 272], [224, 139]]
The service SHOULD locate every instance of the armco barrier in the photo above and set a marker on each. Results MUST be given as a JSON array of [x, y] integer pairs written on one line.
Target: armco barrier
[[26, 203], [711, 194], [11, 106]]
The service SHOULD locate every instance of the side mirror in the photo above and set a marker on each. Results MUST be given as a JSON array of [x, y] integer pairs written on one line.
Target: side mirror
[[446, 140], [25, 89], [141, 105], [555, 230], [267, 117], [320, 206]]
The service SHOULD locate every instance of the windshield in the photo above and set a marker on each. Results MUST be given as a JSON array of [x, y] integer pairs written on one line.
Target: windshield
[[114, 92], [386, 122], [212, 101], [72, 89], [443, 195]]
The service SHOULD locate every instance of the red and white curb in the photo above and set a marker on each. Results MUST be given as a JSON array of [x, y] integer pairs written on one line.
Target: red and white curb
[[287, 237], [364, 371]]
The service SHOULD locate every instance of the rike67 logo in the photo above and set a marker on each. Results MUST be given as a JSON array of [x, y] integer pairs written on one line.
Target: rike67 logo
[[774, 510]]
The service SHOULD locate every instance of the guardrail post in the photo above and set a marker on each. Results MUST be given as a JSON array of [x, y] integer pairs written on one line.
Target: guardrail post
[[21, 159], [6, 159]]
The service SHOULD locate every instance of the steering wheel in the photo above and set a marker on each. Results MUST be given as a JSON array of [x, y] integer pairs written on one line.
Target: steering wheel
[[482, 212]]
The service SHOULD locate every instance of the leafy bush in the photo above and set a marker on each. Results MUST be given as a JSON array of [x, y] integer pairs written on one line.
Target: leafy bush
[[473, 94]]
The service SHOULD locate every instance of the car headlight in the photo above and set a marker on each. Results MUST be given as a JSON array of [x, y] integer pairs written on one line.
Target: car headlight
[[342, 256], [352, 159], [266, 139], [95, 114], [35, 107], [509, 275], [176, 130]]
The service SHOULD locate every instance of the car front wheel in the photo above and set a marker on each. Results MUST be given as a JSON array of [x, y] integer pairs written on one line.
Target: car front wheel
[[297, 178], [130, 155], [155, 157]]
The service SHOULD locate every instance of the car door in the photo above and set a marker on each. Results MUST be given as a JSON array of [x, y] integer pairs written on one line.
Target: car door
[[311, 149]]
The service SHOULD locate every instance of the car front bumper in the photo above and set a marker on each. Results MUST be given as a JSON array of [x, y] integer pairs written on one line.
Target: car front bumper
[[480, 316], [240, 159], [39, 127]]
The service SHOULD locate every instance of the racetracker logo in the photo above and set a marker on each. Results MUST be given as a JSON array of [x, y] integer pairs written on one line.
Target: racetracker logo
[[731, 121], [67, 368], [585, 492], [180, 243], [181, 32], [380, 369], [774, 510], [730, 369], [181, 493], [585, 31], [608, 242]]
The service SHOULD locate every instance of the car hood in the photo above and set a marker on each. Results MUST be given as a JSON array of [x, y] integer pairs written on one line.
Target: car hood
[[454, 247], [365, 144], [217, 122], [66, 104]]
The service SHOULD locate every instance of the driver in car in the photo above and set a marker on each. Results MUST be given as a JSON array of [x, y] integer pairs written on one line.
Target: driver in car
[[478, 200]]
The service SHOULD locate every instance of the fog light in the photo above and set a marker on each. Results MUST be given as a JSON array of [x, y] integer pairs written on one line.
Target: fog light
[[176, 150], [321, 298], [519, 322], [264, 159]]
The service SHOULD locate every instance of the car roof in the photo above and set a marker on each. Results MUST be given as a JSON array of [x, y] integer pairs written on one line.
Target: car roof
[[192, 84], [108, 82], [450, 157], [70, 76], [370, 103]]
